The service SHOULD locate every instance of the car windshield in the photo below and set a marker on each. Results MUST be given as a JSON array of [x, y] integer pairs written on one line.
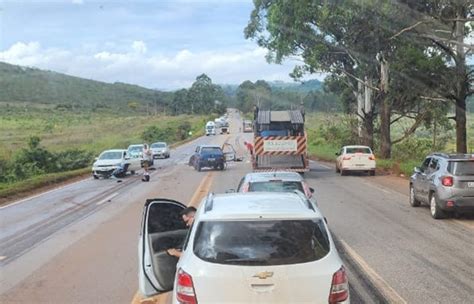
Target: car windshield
[[276, 186], [363, 150], [158, 145], [461, 168], [135, 149], [272, 242], [111, 155], [208, 150]]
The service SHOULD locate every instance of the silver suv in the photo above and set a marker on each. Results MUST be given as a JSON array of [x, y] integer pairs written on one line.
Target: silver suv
[[445, 182]]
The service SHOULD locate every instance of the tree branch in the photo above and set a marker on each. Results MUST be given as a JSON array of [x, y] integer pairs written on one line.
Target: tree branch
[[359, 80], [407, 29], [412, 129]]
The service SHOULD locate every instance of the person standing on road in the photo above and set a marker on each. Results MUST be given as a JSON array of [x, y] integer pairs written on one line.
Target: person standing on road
[[147, 158], [188, 218], [249, 147]]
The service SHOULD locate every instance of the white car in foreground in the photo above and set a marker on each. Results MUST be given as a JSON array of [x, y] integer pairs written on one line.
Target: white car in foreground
[[355, 158], [242, 248], [110, 160]]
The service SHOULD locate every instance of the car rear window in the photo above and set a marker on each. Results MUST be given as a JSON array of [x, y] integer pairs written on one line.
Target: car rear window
[[275, 186], [158, 145], [358, 150], [461, 168], [273, 242], [211, 150]]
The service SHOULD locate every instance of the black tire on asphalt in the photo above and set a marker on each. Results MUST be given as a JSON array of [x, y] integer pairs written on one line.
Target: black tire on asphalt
[[95, 176], [435, 210], [343, 172], [412, 199], [372, 173], [132, 172]]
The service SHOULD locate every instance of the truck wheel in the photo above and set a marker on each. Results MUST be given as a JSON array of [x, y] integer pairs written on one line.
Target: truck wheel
[[413, 201]]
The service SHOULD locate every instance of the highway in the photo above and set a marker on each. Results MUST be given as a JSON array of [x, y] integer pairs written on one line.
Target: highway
[[78, 244]]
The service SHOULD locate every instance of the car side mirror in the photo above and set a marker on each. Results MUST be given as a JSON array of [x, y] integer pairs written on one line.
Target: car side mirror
[[417, 170], [311, 190]]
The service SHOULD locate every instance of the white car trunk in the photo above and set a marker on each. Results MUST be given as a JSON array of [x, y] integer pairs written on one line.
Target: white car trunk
[[217, 283], [358, 160]]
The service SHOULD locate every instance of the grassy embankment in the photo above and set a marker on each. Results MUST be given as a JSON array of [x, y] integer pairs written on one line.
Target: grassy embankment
[[324, 149], [62, 130]]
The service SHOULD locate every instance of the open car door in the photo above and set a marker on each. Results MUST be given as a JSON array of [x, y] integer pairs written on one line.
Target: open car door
[[162, 229]]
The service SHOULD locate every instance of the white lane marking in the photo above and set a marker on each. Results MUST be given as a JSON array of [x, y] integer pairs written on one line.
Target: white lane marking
[[42, 193], [108, 198], [389, 293], [3, 257]]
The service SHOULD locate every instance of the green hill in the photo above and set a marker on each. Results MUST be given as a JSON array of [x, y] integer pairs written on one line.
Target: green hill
[[23, 84]]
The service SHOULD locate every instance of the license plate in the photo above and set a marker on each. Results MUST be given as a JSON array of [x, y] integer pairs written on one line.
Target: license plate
[[211, 159], [470, 184]]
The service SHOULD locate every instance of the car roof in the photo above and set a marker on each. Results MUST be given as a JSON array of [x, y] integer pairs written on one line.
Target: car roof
[[210, 146], [256, 205], [159, 142], [114, 150], [137, 145], [454, 156], [277, 175], [356, 146]]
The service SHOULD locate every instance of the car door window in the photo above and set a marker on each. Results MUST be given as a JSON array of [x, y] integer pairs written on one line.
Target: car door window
[[434, 165], [425, 165]]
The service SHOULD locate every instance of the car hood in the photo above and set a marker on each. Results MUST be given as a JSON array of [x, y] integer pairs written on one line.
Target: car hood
[[107, 162]]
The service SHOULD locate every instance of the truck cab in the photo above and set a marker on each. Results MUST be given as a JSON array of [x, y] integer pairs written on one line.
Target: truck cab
[[210, 128]]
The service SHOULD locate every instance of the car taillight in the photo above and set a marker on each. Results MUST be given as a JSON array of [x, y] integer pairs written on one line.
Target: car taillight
[[372, 157], [346, 158], [447, 181], [185, 288], [339, 287]]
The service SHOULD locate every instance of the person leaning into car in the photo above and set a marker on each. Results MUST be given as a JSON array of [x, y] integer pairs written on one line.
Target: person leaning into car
[[188, 218]]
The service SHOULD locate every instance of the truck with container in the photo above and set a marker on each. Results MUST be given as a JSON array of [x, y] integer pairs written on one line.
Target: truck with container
[[280, 141]]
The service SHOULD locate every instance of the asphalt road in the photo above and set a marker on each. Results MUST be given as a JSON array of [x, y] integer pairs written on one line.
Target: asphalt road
[[78, 244]]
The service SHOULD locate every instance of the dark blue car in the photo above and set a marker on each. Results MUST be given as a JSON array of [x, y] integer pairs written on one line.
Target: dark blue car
[[208, 156]]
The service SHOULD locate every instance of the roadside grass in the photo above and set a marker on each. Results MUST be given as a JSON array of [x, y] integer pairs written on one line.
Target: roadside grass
[[89, 131], [320, 148]]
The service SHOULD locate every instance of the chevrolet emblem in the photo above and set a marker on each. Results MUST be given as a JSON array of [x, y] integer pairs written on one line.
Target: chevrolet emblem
[[264, 275]]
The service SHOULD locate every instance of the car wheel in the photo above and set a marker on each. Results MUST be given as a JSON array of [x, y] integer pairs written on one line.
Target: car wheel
[[221, 167], [413, 201], [132, 172], [337, 169], [95, 176], [343, 172], [436, 212], [372, 173]]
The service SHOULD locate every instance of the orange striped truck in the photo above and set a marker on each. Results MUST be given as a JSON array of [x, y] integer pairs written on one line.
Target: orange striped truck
[[280, 141]]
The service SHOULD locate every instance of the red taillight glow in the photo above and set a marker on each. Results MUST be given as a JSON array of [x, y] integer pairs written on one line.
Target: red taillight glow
[[339, 287], [447, 181], [346, 158], [185, 288], [372, 157]]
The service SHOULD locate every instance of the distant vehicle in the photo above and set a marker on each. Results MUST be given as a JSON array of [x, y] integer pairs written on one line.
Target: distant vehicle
[[247, 126], [273, 247], [355, 158], [160, 150], [136, 152], [279, 181], [210, 128], [208, 156], [445, 182], [280, 141], [109, 160]]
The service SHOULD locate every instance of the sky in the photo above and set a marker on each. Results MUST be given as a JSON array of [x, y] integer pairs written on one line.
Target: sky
[[160, 44]]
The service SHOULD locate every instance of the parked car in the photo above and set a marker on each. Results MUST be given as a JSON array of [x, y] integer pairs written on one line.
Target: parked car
[[241, 248], [278, 181], [209, 156], [109, 160], [136, 152], [445, 182], [355, 158], [160, 150]]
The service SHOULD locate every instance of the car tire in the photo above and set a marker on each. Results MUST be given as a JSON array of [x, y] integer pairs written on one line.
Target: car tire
[[372, 172], [435, 210], [132, 172], [343, 172], [95, 176], [413, 201], [221, 167]]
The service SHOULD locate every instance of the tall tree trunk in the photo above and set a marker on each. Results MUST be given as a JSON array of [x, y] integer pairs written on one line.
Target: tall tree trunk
[[461, 87], [360, 110], [369, 113], [385, 110]]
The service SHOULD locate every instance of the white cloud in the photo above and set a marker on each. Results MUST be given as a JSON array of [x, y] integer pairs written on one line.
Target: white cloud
[[77, 1], [154, 70]]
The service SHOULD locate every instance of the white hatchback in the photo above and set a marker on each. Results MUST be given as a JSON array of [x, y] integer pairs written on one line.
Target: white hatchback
[[242, 248], [355, 158]]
